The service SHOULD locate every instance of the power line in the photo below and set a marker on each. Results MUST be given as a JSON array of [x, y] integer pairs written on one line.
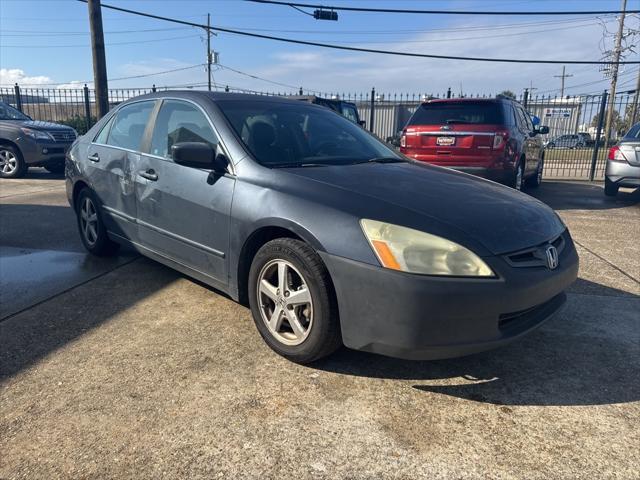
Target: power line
[[359, 49], [439, 12], [106, 44]]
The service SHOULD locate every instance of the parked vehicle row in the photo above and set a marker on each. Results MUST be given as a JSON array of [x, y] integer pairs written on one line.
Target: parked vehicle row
[[328, 234], [490, 138], [25, 142]]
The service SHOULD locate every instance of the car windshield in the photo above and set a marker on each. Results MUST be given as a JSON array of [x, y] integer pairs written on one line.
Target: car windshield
[[279, 134], [442, 113], [7, 112]]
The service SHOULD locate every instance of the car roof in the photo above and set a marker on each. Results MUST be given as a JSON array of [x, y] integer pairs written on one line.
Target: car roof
[[469, 100], [215, 96]]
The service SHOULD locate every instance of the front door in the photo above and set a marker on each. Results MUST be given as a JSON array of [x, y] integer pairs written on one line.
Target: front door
[[183, 212]]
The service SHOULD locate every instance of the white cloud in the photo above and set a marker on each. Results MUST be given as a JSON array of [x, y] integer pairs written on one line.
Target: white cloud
[[11, 76]]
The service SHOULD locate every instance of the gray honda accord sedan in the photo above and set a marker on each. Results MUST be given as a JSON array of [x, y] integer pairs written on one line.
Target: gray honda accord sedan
[[330, 236]]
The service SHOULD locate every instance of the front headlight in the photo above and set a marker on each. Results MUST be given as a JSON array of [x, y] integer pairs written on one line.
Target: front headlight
[[408, 250], [36, 134]]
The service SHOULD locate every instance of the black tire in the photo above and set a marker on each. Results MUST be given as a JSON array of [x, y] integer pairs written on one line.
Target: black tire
[[102, 246], [610, 188], [11, 153], [514, 181], [323, 336], [56, 168], [535, 180]]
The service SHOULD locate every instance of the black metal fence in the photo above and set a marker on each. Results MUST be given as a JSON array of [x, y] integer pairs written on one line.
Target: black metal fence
[[575, 148]]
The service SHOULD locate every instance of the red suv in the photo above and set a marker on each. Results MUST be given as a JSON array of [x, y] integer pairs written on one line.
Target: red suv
[[491, 138]]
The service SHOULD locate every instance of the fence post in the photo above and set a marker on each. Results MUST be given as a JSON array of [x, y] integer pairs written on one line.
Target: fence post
[[16, 89], [87, 107], [153, 88], [301, 91], [449, 92], [372, 112], [596, 147], [525, 98]]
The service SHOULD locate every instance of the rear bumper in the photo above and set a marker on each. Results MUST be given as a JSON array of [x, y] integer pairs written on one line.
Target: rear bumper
[[421, 317], [623, 174]]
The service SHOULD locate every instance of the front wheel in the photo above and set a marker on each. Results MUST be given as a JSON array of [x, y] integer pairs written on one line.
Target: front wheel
[[292, 301], [610, 188], [12, 164], [92, 230]]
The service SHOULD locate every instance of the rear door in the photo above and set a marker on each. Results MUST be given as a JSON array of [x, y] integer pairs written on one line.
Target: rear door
[[110, 158], [183, 212], [454, 133]]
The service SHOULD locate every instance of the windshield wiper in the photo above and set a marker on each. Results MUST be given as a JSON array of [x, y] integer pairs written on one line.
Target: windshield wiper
[[296, 165], [456, 120], [383, 160]]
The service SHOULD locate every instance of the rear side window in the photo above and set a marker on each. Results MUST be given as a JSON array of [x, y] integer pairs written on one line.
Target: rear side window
[[350, 113], [104, 133], [178, 122], [634, 133], [441, 113], [129, 125]]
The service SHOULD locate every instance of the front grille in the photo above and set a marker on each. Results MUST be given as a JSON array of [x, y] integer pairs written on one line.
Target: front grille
[[534, 256], [63, 135]]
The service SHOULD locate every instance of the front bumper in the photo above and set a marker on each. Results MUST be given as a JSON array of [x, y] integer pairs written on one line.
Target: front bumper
[[42, 152], [623, 174], [425, 317]]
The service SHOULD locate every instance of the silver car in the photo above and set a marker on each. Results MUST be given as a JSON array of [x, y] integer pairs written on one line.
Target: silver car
[[623, 163]]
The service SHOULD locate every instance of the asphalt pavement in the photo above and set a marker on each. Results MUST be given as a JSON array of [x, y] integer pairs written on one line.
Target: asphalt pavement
[[124, 368]]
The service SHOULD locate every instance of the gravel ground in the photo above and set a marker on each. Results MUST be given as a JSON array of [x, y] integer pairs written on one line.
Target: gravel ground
[[136, 371]]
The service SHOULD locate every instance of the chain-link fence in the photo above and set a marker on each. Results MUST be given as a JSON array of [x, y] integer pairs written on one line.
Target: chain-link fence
[[575, 147]]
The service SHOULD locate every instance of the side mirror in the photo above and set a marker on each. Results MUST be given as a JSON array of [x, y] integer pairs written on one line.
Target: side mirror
[[199, 155], [362, 123], [542, 130]]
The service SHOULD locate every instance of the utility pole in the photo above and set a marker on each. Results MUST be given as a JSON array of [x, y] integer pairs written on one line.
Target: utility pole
[[209, 50], [99, 61], [634, 105], [614, 73], [562, 77]]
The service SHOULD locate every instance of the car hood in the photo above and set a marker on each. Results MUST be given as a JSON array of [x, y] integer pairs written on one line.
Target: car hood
[[499, 218], [40, 125]]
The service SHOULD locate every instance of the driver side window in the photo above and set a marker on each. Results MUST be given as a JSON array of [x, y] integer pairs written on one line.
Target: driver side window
[[178, 122]]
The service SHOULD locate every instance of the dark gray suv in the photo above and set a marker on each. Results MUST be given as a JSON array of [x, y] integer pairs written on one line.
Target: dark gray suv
[[329, 235], [25, 142]]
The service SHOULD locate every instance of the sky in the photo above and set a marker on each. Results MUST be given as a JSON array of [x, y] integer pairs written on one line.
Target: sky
[[46, 43]]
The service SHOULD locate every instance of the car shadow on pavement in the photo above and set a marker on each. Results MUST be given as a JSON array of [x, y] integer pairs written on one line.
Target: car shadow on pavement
[[589, 354], [565, 195]]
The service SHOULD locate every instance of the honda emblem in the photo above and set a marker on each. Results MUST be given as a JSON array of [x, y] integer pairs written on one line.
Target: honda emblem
[[551, 254]]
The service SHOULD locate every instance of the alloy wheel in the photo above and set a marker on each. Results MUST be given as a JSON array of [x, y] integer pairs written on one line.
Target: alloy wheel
[[540, 170], [285, 302], [8, 162], [89, 221]]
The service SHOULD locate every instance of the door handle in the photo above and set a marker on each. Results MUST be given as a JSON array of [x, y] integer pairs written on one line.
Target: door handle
[[149, 174], [94, 158]]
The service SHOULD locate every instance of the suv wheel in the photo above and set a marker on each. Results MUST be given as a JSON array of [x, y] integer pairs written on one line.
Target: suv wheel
[[610, 188], [536, 179], [12, 165], [292, 301], [518, 177], [92, 230]]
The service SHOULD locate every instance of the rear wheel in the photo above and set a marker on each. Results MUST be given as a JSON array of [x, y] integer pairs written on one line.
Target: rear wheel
[[610, 188], [92, 230], [12, 164], [518, 176], [292, 301], [535, 180]]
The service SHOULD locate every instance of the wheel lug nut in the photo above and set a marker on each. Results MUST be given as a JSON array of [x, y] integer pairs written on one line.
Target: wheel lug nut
[[286, 294]]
